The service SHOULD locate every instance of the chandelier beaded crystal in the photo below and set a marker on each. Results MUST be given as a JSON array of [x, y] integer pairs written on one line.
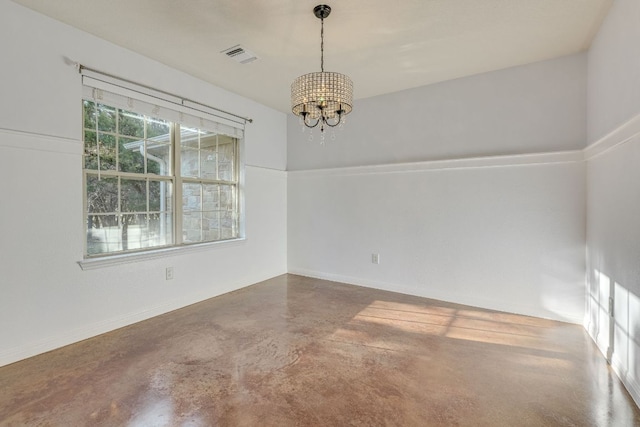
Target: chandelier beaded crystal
[[322, 97]]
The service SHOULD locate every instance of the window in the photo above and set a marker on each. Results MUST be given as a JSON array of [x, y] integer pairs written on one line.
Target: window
[[153, 183]]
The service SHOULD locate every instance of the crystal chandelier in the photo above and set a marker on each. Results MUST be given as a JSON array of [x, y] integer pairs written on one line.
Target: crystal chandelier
[[322, 98]]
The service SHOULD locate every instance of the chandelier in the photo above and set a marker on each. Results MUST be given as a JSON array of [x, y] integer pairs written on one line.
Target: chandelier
[[322, 98]]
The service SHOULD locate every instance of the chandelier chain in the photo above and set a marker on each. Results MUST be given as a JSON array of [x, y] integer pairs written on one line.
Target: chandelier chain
[[322, 45]]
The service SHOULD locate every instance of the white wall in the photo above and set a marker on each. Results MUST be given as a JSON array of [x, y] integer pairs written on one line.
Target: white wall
[[489, 233], [511, 111], [46, 299], [506, 232], [613, 173], [614, 70]]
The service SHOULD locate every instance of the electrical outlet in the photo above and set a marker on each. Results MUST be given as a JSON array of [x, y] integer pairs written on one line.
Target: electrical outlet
[[169, 273], [375, 258]]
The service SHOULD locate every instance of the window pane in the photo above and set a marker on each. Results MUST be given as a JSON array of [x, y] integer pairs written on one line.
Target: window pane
[[90, 150], [226, 159], [160, 229], [191, 227], [159, 156], [102, 194], [192, 158], [192, 213], [160, 196], [134, 233], [130, 124], [107, 148], [210, 214], [140, 231], [208, 156], [89, 114], [227, 225], [106, 118], [191, 197], [208, 163], [208, 140], [103, 234], [189, 163], [211, 225], [133, 195], [210, 197], [227, 201], [157, 128], [130, 152], [189, 138]]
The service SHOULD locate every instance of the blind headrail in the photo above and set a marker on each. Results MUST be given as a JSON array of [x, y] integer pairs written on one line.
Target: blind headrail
[[182, 99]]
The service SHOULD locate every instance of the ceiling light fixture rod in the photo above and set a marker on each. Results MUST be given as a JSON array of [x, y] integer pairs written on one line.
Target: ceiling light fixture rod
[[322, 11], [322, 45]]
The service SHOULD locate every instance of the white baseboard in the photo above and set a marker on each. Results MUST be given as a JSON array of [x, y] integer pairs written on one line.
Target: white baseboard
[[621, 372], [486, 303], [16, 354], [629, 382]]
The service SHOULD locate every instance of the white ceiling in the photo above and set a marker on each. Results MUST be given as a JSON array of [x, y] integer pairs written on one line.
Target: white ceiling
[[383, 46]]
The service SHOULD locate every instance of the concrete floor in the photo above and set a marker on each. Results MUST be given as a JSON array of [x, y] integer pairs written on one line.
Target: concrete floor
[[294, 351]]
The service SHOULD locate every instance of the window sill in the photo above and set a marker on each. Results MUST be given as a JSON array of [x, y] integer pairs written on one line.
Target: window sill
[[118, 259]]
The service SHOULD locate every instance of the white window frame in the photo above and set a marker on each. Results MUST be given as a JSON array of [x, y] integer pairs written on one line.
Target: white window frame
[[215, 119]]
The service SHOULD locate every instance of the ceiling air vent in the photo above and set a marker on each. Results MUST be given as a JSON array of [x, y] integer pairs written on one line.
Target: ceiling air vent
[[240, 54]]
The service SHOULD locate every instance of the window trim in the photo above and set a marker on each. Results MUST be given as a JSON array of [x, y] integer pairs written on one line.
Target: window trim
[[120, 258]]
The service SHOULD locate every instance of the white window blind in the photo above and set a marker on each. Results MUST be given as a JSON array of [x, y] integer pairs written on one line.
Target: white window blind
[[129, 96]]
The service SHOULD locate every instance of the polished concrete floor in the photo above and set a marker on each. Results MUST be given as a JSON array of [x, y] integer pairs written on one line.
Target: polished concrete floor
[[294, 351]]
